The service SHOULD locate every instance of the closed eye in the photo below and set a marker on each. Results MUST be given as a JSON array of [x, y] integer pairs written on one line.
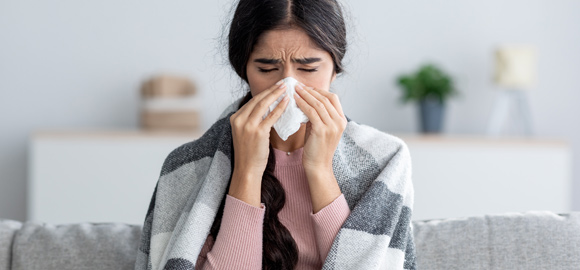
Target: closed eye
[[266, 70], [308, 70], [303, 69]]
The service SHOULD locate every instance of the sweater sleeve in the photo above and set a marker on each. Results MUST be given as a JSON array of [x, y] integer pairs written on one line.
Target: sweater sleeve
[[327, 223], [203, 253], [239, 241]]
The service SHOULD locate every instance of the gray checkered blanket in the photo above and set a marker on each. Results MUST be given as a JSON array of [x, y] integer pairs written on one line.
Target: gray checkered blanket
[[373, 170]]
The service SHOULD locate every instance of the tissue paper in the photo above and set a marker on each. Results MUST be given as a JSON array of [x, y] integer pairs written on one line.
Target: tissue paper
[[290, 120]]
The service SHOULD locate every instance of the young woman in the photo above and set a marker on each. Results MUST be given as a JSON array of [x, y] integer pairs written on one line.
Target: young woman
[[335, 194]]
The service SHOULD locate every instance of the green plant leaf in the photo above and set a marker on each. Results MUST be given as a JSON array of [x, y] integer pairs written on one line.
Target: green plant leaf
[[427, 81]]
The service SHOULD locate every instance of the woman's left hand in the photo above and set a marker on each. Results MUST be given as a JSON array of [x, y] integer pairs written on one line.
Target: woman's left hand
[[323, 132]]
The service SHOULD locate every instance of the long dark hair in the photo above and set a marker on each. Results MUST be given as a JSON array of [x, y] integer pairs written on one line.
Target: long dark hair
[[323, 22]]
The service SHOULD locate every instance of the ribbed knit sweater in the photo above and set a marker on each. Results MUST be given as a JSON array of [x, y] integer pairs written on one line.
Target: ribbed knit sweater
[[239, 242]]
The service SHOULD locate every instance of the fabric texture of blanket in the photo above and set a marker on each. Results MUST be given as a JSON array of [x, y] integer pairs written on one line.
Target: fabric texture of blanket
[[373, 170]]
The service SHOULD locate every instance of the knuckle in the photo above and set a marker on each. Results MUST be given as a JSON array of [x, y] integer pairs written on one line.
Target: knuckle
[[329, 132], [320, 104], [261, 130], [270, 115], [235, 121], [247, 128], [333, 96], [261, 104], [279, 106], [265, 131]]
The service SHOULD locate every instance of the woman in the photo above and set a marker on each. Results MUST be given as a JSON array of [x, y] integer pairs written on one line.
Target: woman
[[335, 194]]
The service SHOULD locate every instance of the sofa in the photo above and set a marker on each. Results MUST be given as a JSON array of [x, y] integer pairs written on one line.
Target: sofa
[[526, 240]]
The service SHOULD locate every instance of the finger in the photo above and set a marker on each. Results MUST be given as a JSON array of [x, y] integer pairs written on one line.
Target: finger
[[276, 89], [262, 106], [308, 110], [272, 117], [333, 99], [318, 94], [307, 95], [337, 117], [249, 107]]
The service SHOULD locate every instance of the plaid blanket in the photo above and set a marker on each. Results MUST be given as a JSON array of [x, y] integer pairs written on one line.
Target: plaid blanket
[[373, 170]]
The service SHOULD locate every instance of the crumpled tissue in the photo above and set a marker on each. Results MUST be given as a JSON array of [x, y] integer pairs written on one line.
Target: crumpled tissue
[[290, 120]]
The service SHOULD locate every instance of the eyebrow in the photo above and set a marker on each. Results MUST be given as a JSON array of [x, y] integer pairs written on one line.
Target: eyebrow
[[303, 61]]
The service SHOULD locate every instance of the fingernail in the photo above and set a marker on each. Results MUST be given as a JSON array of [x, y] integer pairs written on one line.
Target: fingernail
[[282, 86], [279, 82], [300, 87], [285, 98]]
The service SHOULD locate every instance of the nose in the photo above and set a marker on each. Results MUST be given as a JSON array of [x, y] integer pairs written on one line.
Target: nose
[[288, 72]]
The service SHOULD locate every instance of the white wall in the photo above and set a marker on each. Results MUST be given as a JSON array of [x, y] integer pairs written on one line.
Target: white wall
[[78, 64]]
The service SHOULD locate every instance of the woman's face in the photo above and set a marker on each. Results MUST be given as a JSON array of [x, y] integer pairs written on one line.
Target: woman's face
[[288, 53]]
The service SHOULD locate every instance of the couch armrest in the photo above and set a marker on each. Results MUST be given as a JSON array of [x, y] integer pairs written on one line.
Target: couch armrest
[[8, 229]]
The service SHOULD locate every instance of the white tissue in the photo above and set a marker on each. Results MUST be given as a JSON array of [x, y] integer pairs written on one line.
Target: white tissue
[[290, 120]]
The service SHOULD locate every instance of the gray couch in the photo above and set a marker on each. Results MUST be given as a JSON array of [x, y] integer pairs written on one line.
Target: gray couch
[[530, 240]]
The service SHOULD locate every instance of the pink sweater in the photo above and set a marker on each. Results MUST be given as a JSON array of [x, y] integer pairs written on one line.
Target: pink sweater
[[239, 242]]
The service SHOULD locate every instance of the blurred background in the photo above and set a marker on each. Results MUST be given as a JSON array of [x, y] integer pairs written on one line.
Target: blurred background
[[87, 88]]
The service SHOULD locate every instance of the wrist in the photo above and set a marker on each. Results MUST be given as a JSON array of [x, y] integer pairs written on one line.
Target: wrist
[[323, 188], [246, 186], [242, 173], [319, 171]]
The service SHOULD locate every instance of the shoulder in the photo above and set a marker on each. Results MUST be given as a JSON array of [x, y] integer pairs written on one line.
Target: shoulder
[[216, 139], [381, 145], [368, 156]]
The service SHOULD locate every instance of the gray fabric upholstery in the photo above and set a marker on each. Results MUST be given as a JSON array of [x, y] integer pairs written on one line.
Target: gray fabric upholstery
[[7, 230], [530, 240], [75, 246]]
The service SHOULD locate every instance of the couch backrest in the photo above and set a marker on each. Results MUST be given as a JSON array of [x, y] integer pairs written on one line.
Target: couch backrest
[[530, 240]]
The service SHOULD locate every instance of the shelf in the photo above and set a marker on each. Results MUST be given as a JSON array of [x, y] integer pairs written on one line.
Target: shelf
[[482, 139], [112, 134], [109, 175]]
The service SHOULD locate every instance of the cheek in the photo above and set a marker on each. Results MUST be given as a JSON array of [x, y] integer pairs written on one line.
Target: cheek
[[256, 82], [318, 80], [318, 83]]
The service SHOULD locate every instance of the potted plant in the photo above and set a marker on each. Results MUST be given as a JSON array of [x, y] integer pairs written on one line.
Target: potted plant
[[430, 87]]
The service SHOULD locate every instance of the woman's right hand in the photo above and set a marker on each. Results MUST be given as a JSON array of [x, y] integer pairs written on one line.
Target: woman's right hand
[[251, 138]]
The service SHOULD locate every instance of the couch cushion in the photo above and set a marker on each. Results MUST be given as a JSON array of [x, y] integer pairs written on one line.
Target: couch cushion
[[75, 246], [7, 230], [530, 240]]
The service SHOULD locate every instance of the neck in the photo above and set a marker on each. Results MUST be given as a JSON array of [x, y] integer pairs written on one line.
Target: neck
[[294, 142]]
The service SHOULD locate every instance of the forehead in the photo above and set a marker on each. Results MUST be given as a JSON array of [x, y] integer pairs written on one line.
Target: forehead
[[288, 41]]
